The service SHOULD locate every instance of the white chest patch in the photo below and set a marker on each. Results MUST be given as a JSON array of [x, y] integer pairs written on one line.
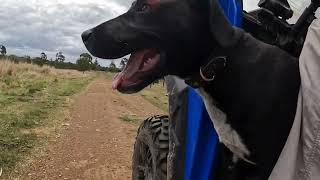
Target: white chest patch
[[228, 136]]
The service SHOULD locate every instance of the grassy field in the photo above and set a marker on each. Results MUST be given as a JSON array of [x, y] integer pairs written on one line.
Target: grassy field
[[32, 101], [156, 94]]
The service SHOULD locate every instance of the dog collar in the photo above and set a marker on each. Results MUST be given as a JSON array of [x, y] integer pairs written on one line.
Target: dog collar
[[208, 72]]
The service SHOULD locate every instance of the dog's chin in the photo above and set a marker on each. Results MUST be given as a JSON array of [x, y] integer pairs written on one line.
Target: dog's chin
[[134, 87], [144, 67]]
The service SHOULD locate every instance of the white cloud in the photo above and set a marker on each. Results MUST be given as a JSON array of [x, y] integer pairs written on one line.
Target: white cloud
[[249, 5], [29, 27]]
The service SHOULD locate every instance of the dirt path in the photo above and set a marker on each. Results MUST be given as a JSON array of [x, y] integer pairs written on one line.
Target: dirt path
[[95, 144]]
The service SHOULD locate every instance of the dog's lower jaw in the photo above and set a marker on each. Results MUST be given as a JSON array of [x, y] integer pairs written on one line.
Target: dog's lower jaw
[[227, 135]]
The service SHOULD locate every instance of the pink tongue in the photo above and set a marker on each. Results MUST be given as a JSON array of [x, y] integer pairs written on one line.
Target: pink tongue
[[134, 63], [117, 80]]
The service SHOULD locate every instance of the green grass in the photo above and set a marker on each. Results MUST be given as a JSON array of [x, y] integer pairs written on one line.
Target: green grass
[[156, 95], [29, 101], [128, 118], [109, 75]]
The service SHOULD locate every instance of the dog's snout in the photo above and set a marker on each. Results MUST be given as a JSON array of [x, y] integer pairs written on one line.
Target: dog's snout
[[86, 35]]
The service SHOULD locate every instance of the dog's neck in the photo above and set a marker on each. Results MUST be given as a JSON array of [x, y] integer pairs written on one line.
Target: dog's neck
[[207, 71], [216, 62], [211, 75], [211, 81], [225, 40], [226, 43]]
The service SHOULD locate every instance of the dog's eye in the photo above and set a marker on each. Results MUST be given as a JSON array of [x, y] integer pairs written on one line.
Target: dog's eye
[[145, 7], [133, 3]]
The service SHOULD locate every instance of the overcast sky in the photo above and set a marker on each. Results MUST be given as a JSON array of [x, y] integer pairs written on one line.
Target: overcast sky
[[29, 27]]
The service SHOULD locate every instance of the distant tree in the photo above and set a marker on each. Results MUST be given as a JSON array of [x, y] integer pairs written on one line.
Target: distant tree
[[3, 50], [15, 59], [27, 59], [113, 67], [43, 56], [84, 63], [96, 65], [123, 63], [60, 57], [38, 61], [96, 62], [86, 56]]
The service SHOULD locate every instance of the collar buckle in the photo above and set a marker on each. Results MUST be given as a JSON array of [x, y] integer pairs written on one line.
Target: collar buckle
[[207, 79], [210, 70]]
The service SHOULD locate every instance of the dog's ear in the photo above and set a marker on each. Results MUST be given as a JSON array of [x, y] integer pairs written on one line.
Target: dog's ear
[[221, 29]]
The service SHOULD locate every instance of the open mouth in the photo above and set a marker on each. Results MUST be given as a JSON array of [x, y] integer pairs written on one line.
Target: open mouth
[[141, 70]]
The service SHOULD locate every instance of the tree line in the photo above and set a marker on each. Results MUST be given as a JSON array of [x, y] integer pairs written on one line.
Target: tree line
[[85, 61]]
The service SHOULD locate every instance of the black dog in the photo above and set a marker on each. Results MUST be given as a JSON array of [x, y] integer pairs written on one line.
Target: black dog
[[257, 89]]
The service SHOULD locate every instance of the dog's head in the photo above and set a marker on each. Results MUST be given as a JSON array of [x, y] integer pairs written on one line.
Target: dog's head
[[163, 37]]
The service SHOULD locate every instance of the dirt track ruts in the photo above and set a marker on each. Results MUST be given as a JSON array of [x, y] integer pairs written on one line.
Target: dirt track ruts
[[95, 144]]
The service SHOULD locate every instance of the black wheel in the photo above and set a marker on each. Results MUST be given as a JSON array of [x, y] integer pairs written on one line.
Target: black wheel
[[151, 150]]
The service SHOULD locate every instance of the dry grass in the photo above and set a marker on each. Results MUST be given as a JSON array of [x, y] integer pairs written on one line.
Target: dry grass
[[156, 95], [31, 101], [10, 68]]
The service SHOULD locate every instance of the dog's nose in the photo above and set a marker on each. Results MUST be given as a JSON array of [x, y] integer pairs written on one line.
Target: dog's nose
[[86, 35]]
